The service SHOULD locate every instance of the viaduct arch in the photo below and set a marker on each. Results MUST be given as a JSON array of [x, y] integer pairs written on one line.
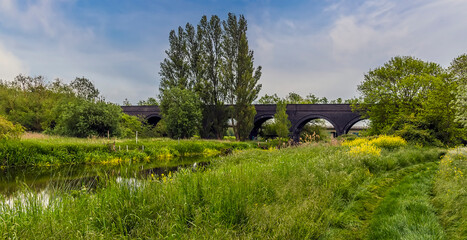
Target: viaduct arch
[[339, 115]]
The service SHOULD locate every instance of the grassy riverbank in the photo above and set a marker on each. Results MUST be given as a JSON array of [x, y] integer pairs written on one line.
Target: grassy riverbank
[[306, 192], [60, 150]]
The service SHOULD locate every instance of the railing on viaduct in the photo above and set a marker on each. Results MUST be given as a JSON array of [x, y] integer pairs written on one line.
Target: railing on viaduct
[[339, 115]]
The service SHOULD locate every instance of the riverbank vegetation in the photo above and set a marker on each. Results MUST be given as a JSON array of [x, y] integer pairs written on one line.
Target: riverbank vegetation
[[50, 150], [307, 192], [417, 100]]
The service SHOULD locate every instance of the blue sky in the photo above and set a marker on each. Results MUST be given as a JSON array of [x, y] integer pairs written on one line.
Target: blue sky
[[320, 47]]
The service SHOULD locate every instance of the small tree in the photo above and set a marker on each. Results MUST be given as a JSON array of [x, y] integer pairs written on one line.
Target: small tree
[[181, 111], [282, 123], [82, 118], [83, 88]]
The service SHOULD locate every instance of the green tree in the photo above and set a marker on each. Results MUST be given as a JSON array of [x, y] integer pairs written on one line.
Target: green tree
[[407, 91], [240, 77], [84, 88], [269, 99], [175, 69], [281, 121], [458, 69], [181, 112], [210, 86], [83, 118], [149, 102], [27, 101], [294, 98]]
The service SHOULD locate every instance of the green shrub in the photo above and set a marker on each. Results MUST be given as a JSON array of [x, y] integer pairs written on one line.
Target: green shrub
[[450, 193], [8, 130], [418, 136]]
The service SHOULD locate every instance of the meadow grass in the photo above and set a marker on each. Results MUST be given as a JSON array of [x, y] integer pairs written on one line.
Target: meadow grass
[[320, 192], [62, 150], [407, 212], [450, 193]]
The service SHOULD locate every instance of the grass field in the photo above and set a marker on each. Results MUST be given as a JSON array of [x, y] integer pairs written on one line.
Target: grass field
[[307, 192], [42, 150]]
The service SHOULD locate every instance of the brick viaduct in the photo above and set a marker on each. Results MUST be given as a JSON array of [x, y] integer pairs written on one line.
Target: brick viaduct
[[339, 115]]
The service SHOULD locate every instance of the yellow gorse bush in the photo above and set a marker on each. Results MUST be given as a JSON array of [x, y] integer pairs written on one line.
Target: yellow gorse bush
[[356, 142], [365, 149], [365, 146], [385, 141]]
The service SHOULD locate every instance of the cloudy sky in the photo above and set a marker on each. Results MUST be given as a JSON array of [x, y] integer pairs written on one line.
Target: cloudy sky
[[321, 47]]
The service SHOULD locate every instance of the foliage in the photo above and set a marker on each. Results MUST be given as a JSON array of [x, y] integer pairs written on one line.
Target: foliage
[[130, 125], [314, 131], [60, 150], [83, 88], [149, 102], [389, 142], [458, 68], [214, 61], [82, 118], [450, 196], [28, 101], [66, 109], [461, 104], [294, 98], [408, 91], [366, 150], [269, 99], [281, 122], [8, 130], [295, 193], [181, 112], [240, 75], [418, 136], [366, 146]]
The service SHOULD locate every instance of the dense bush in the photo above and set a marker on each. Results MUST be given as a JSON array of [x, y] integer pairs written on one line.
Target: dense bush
[[83, 118], [8, 130], [181, 111]]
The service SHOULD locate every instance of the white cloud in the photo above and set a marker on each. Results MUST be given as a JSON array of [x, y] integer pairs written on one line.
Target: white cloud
[[10, 65], [330, 60]]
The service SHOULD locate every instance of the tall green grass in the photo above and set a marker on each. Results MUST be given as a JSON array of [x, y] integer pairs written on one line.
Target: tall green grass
[[53, 151], [294, 193], [407, 212], [450, 190]]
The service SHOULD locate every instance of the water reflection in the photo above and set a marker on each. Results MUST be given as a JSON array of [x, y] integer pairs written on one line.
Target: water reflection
[[75, 177]]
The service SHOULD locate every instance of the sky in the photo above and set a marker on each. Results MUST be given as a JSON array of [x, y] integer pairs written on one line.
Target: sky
[[308, 47]]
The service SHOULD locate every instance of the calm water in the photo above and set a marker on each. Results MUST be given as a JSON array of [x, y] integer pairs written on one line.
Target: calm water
[[38, 179]]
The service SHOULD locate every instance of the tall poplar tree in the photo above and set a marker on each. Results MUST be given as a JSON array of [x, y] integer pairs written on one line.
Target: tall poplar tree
[[241, 78], [210, 87], [214, 62]]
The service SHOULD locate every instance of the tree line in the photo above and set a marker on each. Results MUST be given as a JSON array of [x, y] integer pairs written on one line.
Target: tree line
[[418, 100], [207, 67], [75, 109], [210, 65]]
